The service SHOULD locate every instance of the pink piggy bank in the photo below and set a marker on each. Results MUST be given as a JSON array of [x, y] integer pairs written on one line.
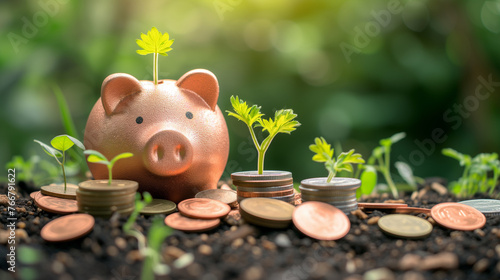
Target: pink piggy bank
[[175, 130]]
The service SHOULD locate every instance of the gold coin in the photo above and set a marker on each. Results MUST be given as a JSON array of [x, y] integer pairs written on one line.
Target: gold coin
[[405, 226], [105, 200], [102, 186], [159, 206], [267, 209], [59, 191]]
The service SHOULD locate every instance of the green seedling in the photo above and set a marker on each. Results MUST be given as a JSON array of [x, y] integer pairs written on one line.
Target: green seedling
[[380, 161], [156, 43], [283, 122], [324, 153], [96, 157], [149, 248], [60, 144], [475, 175]]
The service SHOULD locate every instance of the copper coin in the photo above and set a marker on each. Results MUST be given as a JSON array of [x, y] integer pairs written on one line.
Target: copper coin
[[35, 195], [59, 191], [67, 228], [458, 216], [179, 222], [321, 221], [265, 194], [57, 205], [263, 183], [228, 197], [265, 189], [406, 210], [367, 205], [203, 208]]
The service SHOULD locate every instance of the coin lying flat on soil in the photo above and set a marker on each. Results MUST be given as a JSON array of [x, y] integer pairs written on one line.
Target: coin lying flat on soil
[[179, 222], [267, 212], [228, 197], [405, 226], [458, 216], [203, 208], [56, 205], [406, 210], [489, 207], [67, 228], [321, 221], [159, 206], [58, 190]]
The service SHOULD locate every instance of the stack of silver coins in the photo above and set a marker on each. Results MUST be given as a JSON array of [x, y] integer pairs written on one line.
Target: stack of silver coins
[[270, 184], [340, 192]]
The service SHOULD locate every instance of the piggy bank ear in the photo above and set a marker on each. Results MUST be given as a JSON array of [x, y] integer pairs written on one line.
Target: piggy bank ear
[[117, 87], [202, 82]]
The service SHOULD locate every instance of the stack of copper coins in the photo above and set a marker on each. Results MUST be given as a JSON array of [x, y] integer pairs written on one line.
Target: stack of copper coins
[[97, 198], [340, 192], [270, 184]]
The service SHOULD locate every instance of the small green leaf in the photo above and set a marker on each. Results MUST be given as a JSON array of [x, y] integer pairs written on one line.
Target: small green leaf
[[368, 180], [49, 150], [248, 115], [322, 149], [96, 157], [462, 158], [393, 139], [62, 142], [406, 173], [121, 156], [154, 42]]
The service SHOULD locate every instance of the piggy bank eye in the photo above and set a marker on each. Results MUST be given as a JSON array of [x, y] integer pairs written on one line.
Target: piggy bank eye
[[139, 120], [189, 115]]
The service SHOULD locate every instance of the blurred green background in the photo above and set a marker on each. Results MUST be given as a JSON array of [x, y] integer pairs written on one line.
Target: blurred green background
[[354, 71]]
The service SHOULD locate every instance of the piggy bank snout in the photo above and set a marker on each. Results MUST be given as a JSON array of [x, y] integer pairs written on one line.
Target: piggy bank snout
[[168, 153]]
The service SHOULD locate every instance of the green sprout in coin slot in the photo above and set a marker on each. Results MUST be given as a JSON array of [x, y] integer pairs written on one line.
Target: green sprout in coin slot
[[283, 122], [96, 157], [60, 144], [156, 43], [324, 153]]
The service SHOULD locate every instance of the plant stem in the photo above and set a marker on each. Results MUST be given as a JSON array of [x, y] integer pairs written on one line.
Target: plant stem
[[64, 172], [330, 176], [387, 177], [110, 175], [155, 68]]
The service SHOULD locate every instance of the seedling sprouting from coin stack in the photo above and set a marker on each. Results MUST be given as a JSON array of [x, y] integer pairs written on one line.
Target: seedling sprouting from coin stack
[[260, 183], [339, 192], [105, 197], [60, 144]]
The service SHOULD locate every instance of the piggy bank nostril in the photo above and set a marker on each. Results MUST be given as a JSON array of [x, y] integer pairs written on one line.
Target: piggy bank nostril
[[158, 153], [180, 152]]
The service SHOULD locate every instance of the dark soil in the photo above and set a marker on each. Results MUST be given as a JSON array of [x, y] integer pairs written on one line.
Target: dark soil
[[237, 250]]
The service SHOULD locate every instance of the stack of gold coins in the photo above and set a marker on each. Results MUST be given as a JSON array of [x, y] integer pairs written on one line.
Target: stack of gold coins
[[340, 192], [97, 198], [266, 212], [271, 184]]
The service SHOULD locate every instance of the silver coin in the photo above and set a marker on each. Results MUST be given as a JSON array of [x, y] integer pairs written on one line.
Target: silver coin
[[265, 189], [328, 199], [266, 175], [286, 198], [328, 192], [489, 207], [336, 184]]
